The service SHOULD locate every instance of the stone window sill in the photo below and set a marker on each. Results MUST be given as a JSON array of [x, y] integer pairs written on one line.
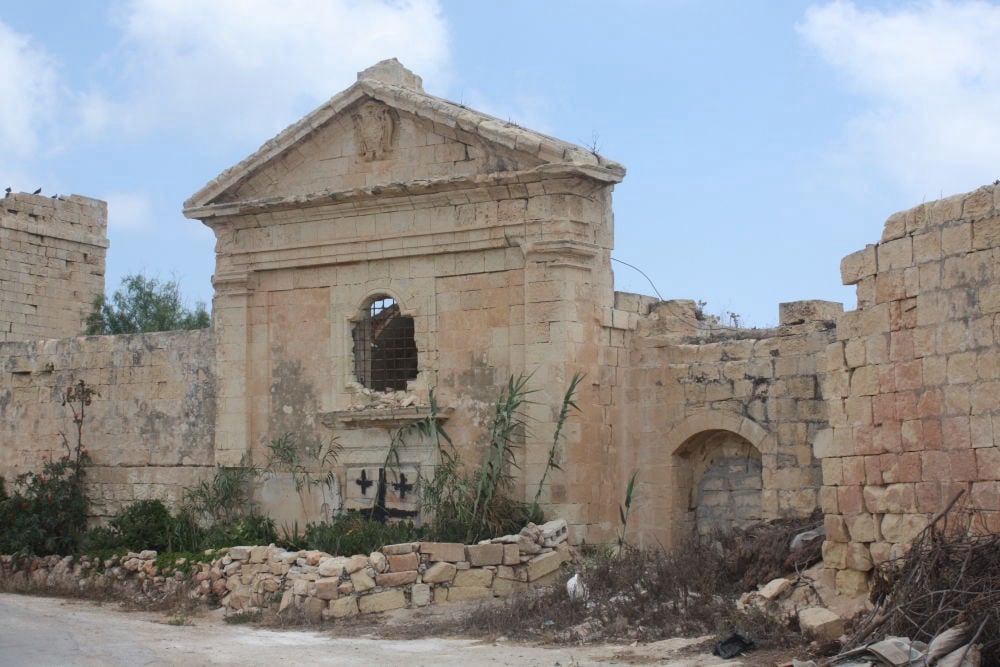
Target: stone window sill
[[380, 417]]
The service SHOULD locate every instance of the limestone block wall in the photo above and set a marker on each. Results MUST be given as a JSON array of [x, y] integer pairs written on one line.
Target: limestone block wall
[[414, 574], [720, 423], [51, 264], [500, 278], [150, 430], [913, 381]]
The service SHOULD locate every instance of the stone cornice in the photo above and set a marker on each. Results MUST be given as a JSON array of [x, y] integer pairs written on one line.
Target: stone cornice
[[388, 196]]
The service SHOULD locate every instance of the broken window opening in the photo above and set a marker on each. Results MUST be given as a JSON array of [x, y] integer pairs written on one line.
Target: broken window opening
[[385, 353]]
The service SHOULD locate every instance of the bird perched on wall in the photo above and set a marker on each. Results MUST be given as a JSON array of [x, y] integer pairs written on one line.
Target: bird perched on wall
[[37, 192], [6, 193]]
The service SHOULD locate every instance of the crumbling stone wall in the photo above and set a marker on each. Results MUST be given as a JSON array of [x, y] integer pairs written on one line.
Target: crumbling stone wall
[[149, 432], [913, 381], [51, 264], [495, 242], [720, 422]]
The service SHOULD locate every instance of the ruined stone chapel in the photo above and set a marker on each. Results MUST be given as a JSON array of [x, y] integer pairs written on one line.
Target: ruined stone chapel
[[392, 243]]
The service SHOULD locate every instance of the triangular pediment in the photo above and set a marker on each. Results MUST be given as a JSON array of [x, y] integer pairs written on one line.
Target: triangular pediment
[[385, 130]]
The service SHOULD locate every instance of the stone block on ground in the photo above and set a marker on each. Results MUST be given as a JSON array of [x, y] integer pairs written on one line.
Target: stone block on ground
[[554, 532], [820, 624], [775, 589], [543, 564]]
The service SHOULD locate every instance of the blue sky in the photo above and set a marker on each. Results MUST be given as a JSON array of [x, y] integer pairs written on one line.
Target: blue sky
[[763, 140]]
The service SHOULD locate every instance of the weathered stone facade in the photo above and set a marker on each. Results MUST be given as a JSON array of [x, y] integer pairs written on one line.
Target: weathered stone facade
[[913, 382], [495, 241], [52, 265], [719, 421], [392, 243], [149, 432]]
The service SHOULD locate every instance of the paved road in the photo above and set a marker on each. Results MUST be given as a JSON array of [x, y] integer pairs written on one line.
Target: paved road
[[43, 632]]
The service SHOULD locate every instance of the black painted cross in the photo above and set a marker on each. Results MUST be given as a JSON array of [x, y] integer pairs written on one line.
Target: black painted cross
[[364, 482], [402, 486]]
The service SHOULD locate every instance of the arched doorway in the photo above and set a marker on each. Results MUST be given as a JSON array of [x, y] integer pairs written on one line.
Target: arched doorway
[[720, 475]]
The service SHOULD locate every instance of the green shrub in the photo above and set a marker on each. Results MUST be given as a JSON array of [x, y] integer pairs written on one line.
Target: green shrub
[[47, 512], [251, 529], [100, 540], [354, 533], [145, 524], [472, 503], [186, 533]]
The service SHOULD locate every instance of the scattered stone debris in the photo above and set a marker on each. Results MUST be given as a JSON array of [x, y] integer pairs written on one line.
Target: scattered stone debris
[[367, 399]]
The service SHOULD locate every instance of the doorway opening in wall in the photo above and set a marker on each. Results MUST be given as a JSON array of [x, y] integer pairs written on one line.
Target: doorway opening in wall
[[721, 475], [385, 353]]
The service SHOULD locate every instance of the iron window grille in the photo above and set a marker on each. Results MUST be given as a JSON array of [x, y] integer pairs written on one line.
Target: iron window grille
[[385, 353]]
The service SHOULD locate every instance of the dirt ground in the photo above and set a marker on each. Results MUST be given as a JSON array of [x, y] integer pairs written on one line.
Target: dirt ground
[[41, 631]]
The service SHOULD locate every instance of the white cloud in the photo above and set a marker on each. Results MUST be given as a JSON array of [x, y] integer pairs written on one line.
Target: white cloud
[[931, 73], [129, 211], [247, 68], [30, 86]]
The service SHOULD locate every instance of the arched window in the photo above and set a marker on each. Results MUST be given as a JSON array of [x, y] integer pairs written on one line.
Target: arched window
[[385, 354]]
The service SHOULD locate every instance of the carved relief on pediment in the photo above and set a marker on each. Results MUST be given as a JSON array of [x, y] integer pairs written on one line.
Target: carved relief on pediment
[[374, 130]]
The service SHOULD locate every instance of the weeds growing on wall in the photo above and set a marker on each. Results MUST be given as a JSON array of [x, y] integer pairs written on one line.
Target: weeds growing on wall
[[625, 510], [469, 504], [227, 496], [285, 455], [46, 513], [226, 506]]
